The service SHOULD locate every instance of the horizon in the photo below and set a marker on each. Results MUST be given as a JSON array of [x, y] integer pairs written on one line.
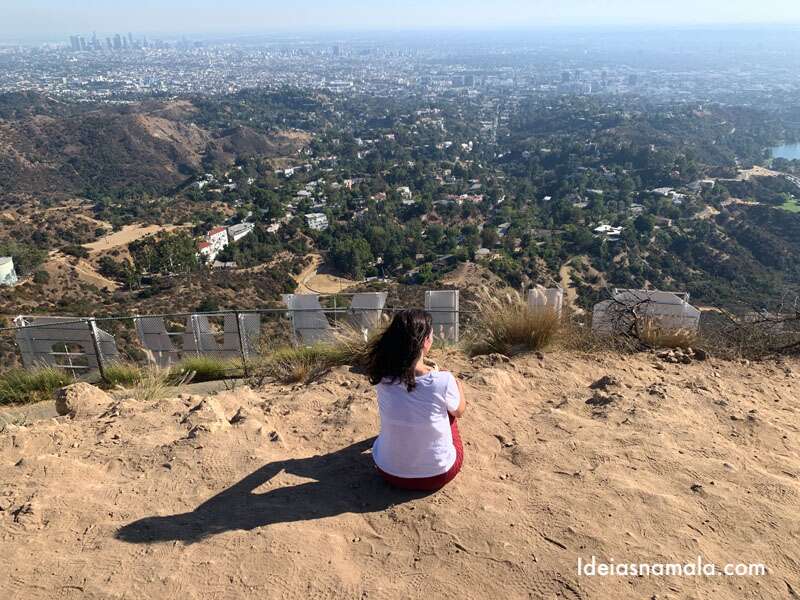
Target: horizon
[[49, 21], [229, 36]]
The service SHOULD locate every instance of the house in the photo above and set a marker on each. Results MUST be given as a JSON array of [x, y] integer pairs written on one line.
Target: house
[[214, 242], [8, 276], [663, 221], [317, 221], [204, 250], [218, 238], [609, 232], [237, 232]]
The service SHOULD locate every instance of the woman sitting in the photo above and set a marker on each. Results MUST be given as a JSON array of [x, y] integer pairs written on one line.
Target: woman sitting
[[419, 447]]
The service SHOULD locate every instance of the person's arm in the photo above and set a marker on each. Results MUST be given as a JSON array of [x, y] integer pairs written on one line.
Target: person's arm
[[462, 401]]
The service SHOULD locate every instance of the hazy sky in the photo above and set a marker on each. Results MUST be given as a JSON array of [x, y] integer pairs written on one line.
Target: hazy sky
[[42, 19]]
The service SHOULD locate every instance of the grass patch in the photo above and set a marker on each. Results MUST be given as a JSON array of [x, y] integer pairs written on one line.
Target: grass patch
[[653, 336], [207, 368], [508, 325], [21, 386], [296, 364], [792, 205], [122, 374], [154, 383]]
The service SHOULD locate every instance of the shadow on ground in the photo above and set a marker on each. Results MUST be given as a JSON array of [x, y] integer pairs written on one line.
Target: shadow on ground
[[345, 482]]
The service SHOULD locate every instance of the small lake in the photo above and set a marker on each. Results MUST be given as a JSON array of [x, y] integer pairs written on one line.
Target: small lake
[[788, 151]]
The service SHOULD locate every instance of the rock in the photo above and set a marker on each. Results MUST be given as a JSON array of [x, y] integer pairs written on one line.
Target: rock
[[657, 389], [27, 515], [274, 436], [504, 441], [207, 416], [82, 400], [601, 398], [490, 360], [604, 382], [241, 415]]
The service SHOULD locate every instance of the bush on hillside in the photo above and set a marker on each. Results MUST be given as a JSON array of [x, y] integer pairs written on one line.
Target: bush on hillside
[[507, 324]]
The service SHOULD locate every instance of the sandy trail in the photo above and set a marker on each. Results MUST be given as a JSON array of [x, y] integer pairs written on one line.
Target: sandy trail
[[177, 498], [59, 264], [570, 294], [311, 281], [128, 234]]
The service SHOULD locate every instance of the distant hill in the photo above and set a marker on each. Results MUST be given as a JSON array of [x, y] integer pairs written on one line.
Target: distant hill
[[48, 146]]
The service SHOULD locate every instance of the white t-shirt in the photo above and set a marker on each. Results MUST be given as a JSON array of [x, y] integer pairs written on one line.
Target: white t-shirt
[[415, 439]]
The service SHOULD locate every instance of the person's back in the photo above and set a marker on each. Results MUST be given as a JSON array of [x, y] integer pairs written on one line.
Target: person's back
[[419, 446], [416, 439]]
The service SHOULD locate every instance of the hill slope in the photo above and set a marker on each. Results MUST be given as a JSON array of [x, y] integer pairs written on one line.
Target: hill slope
[[184, 498], [48, 146]]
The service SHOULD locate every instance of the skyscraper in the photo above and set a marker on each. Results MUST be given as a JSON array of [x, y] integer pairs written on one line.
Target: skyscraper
[[74, 43], [117, 42]]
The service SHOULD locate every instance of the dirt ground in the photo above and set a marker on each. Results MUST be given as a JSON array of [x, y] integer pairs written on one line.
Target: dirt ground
[[126, 235], [271, 493], [312, 281]]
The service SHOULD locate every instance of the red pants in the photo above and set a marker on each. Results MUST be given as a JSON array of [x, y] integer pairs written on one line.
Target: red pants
[[430, 484]]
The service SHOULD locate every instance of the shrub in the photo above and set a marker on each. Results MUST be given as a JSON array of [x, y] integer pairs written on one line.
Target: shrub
[[507, 325], [153, 384], [41, 277], [654, 336], [121, 374], [207, 368], [295, 364], [21, 386]]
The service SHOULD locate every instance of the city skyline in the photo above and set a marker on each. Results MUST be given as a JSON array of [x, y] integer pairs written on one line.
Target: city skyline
[[52, 21]]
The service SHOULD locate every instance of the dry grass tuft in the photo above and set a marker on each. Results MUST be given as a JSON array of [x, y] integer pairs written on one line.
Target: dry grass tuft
[[21, 386], [508, 325], [296, 364], [122, 374], [154, 384], [654, 336], [207, 368]]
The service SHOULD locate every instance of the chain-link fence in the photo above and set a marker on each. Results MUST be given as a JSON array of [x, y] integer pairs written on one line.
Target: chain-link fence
[[92, 345]]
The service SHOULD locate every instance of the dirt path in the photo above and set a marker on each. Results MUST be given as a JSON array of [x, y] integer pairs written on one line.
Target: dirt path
[[311, 281], [565, 277], [128, 234], [85, 270]]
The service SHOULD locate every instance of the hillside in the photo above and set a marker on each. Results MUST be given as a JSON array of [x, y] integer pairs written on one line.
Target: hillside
[[270, 493], [52, 147]]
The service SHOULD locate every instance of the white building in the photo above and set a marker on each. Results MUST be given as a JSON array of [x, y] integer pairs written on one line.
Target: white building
[[237, 232], [665, 311], [317, 221], [610, 232], [8, 276], [215, 241], [204, 250]]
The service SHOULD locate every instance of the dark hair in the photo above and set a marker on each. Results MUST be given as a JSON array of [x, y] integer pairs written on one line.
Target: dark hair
[[396, 351]]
